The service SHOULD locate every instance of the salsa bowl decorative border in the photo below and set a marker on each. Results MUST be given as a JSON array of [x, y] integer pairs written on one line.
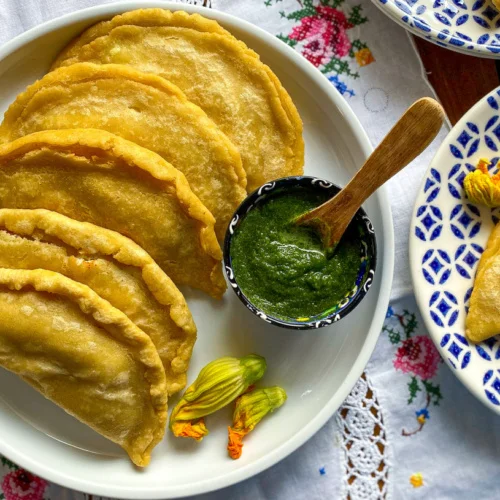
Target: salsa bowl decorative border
[[467, 26], [368, 254], [447, 237]]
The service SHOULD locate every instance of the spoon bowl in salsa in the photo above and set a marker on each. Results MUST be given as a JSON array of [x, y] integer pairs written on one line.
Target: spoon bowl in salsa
[[281, 271]]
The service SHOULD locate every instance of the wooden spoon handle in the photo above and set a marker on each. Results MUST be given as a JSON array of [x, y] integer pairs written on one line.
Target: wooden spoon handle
[[414, 131]]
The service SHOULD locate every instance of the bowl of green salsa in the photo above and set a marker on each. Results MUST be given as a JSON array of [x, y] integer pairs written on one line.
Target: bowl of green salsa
[[281, 272]]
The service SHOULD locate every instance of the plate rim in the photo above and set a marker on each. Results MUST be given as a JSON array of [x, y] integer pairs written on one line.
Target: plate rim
[[415, 267], [384, 273], [391, 11]]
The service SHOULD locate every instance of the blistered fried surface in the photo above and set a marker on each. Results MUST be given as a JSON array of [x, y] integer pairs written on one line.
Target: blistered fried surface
[[144, 109], [483, 318], [84, 355], [93, 176], [114, 267], [217, 72]]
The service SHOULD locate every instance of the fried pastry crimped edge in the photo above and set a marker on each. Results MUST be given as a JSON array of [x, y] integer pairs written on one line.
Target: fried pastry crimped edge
[[107, 316], [85, 72], [161, 17], [89, 142], [482, 305], [95, 240]]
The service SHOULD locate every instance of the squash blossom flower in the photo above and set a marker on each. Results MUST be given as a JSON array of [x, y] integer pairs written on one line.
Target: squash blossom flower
[[219, 383], [481, 187], [250, 409]]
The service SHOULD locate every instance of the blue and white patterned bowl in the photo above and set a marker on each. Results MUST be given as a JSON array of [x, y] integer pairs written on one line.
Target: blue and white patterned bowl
[[447, 236], [468, 26], [367, 263]]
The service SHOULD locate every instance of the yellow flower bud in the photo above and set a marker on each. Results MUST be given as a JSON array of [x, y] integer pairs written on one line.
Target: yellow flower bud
[[250, 409], [482, 188], [219, 383]]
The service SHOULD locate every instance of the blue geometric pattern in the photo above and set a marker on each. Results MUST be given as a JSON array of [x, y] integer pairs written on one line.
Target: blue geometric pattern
[[431, 222], [457, 349], [436, 266], [432, 185], [467, 295], [489, 349], [491, 384], [466, 258], [463, 25], [448, 236], [456, 179], [465, 220], [443, 308]]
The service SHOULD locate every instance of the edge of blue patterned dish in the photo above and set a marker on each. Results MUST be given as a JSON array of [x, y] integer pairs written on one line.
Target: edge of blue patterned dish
[[447, 237], [467, 26], [368, 255]]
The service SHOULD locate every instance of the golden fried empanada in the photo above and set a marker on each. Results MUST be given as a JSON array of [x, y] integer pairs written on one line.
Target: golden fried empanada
[[114, 267], [483, 318], [142, 108], [84, 355], [216, 71], [94, 176]]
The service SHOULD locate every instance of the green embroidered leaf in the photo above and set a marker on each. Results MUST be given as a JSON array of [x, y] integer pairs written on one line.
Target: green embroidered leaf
[[307, 11], [332, 3], [414, 388], [8, 463], [287, 40], [355, 16], [340, 67], [2, 496], [356, 46], [411, 323], [433, 391], [394, 336]]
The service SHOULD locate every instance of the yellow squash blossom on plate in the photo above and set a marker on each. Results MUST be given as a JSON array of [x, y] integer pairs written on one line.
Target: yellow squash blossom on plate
[[219, 383], [250, 409], [481, 187]]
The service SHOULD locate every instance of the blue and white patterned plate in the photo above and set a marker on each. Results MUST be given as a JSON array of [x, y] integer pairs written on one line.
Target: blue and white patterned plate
[[447, 237], [468, 26]]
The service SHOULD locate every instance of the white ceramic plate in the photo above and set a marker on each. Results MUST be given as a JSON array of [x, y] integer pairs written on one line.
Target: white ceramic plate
[[468, 26], [447, 236], [317, 368]]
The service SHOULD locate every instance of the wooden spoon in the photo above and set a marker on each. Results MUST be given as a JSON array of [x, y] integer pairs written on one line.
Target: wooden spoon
[[414, 131]]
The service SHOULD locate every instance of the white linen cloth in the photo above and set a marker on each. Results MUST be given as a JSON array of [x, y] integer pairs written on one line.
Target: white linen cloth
[[409, 429]]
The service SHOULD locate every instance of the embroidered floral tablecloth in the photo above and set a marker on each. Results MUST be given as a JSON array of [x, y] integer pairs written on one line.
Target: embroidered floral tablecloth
[[408, 429]]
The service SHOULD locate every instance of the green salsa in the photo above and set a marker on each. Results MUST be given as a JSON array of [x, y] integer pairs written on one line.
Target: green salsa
[[282, 268]]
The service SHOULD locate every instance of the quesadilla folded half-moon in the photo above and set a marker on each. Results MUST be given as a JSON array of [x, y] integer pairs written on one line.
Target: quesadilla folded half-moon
[[483, 318], [216, 71], [84, 355], [94, 176], [114, 267], [144, 109]]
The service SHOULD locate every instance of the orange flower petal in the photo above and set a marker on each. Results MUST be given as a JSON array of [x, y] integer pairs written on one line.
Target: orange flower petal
[[235, 442], [196, 431]]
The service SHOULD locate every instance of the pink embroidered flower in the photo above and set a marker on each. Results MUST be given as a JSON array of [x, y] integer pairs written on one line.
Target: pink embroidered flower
[[418, 356], [22, 485], [325, 34]]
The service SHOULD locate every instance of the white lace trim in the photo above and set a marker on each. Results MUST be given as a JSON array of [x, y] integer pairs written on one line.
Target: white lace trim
[[364, 444]]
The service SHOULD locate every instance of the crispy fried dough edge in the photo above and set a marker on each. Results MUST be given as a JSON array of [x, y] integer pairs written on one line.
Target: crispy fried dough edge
[[161, 17], [82, 72], [140, 17], [97, 240], [489, 253], [70, 140], [103, 313]]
